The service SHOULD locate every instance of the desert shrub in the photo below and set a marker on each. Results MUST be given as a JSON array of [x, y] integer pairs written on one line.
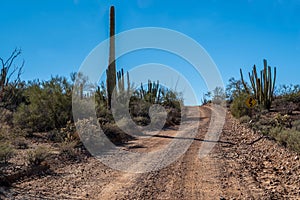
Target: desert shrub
[[206, 99], [141, 121], [48, 105], [103, 114], [170, 100], [293, 140], [238, 107], [37, 156], [6, 116], [4, 133], [245, 119], [282, 121], [65, 134], [233, 89], [173, 116], [55, 135], [67, 150], [218, 96], [287, 137], [69, 131], [139, 108], [296, 125], [6, 152]]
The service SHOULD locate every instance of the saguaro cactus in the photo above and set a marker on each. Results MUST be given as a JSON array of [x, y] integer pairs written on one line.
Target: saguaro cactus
[[111, 71], [263, 87]]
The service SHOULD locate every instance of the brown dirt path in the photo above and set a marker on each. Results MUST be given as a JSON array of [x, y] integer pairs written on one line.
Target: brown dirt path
[[187, 178]]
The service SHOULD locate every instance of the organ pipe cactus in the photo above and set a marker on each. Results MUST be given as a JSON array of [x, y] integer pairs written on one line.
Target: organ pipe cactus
[[153, 93], [121, 82], [263, 86]]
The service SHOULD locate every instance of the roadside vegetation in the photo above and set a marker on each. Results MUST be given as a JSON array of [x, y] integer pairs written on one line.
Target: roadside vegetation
[[40, 112], [277, 113]]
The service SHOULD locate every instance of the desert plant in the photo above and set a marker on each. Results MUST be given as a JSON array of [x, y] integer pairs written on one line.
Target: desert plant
[[37, 156], [245, 119], [11, 87], [111, 70], [263, 86], [287, 137], [48, 105], [238, 107], [152, 93], [234, 88], [282, 121], [296, 125], [67, 150], [206, 98], [218, 95], [6, 152]]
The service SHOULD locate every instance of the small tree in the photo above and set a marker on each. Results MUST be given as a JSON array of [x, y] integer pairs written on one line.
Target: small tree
[[234, 89], [10, 83], [218, 95]]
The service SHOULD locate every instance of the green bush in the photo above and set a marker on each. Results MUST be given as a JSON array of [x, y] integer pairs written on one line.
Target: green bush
[[287, 137], [48, 105], [6, 152], [238, 107]]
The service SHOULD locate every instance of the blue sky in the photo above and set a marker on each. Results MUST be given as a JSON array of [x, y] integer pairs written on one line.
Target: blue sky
[[56, 35]]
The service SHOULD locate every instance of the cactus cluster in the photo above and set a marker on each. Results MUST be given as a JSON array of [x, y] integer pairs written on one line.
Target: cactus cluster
[[121, 81], [263, 86], [153, 92]]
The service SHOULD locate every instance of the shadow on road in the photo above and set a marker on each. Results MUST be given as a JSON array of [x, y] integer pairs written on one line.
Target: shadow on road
[[196, 139]]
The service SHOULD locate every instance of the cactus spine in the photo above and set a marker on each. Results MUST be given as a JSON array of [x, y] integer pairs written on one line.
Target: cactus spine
[[111, 71], [263, 87]]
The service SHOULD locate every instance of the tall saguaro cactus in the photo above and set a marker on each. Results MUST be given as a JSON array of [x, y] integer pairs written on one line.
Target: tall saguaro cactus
[[263, 87], [111, 71]]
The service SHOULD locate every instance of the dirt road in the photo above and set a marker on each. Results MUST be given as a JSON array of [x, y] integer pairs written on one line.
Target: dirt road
[[233, 170], [187, 178]]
